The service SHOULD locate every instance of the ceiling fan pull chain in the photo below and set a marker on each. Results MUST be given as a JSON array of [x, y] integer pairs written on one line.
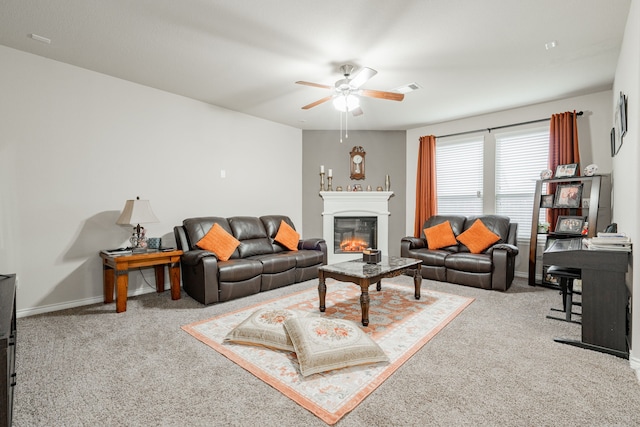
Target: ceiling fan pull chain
[[346, 124]]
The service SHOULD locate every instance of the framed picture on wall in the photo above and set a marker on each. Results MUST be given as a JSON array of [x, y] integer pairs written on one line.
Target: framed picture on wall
[[613, 142], [620, 118]]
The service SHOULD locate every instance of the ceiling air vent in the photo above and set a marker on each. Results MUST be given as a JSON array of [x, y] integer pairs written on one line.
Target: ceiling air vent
[[407, 88]]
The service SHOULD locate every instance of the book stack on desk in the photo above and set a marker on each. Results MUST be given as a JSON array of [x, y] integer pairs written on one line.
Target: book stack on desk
[[609, 242]]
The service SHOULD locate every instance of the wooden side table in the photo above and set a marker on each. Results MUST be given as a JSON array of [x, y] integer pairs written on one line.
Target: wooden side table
[[117, 267]]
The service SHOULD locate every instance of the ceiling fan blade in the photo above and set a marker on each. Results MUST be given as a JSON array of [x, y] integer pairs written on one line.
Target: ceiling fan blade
[[318, 102], [357, 112], [391, 96], [314, 85], [362, 76]]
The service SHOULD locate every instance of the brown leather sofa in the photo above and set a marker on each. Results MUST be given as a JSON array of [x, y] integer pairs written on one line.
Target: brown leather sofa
[[491, 269], [258, 264]]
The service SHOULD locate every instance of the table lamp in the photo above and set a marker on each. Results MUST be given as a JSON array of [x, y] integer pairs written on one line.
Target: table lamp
[[137, 212]]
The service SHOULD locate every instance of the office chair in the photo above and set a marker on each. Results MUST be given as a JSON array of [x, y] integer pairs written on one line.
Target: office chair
[[566, 276]]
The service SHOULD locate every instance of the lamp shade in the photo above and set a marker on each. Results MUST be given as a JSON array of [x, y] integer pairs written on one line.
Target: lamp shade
[[346, 102], [137, 212]]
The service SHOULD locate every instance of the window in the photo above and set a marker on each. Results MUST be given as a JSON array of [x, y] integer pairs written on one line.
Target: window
[[517, 157], [459, 170], [520, 157]]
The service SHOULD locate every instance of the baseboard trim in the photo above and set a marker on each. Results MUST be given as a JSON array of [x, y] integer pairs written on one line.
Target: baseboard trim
[[32, 311], [634, 362]]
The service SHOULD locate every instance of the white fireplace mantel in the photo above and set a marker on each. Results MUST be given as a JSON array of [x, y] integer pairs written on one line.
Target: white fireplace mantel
[[356, 204]]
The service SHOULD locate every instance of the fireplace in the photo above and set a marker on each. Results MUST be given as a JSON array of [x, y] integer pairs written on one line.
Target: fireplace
[[363, 215], [354, 234]]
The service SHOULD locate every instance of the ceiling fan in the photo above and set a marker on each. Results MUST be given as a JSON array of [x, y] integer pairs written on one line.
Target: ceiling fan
[[346, 90]]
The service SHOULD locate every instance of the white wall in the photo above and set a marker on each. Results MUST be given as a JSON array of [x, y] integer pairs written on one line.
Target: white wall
[[593, 131], [75, 144], [626, 177]]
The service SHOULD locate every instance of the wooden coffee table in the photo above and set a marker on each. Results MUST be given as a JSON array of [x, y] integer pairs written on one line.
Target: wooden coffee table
[[364, 275]]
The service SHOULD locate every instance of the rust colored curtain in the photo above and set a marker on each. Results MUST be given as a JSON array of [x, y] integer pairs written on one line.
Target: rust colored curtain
[[426, 193], [563, 149]]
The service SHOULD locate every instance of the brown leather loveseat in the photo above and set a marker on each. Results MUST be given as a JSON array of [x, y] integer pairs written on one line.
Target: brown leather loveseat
[[493, 268], [258, 264]]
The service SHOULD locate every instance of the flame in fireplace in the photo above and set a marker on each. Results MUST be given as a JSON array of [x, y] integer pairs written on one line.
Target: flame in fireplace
[[353, 244]]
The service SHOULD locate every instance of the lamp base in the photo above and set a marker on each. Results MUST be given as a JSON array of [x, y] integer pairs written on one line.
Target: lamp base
[[138, 240]]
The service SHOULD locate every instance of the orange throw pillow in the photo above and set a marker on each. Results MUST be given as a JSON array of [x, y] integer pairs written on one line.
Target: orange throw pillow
[[220, 242], [440, 236], [287, 236], [478, 237]]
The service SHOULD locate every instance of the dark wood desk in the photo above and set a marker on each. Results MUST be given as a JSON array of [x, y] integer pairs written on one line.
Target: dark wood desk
[[8, 338], [119, 267], [605, 297]]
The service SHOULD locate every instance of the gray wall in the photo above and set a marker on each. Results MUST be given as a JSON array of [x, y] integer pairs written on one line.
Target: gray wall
[[385, 156], [75, 144]]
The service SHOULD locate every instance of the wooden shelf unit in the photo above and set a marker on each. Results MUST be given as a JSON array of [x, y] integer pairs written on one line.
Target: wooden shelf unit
[[597, 188]]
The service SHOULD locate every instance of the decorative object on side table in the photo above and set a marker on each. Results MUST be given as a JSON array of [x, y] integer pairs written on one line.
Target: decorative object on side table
[[137, 212], [154, 242]]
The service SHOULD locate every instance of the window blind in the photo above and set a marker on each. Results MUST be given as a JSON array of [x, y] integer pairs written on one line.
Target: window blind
[[459, 171], [520, 157]]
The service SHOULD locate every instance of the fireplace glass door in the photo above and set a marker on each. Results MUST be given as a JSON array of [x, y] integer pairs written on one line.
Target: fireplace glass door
[[354, 234]]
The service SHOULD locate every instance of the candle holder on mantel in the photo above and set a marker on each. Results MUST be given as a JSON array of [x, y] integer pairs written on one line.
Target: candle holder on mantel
[[330, 178], [321, 181]]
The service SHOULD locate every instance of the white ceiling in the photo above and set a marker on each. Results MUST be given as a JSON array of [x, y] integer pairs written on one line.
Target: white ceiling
[[469, 56]]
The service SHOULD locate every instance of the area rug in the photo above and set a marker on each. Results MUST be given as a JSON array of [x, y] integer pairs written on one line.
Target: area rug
[[398, 322]]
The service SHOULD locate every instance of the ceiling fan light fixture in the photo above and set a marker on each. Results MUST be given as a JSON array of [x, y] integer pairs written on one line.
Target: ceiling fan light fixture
[[346, 102]]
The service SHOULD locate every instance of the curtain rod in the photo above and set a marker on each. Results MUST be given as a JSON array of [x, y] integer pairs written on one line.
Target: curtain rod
[[579, 113]]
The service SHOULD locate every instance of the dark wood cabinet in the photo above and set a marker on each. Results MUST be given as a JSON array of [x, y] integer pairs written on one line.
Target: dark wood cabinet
[[7, 346], [597, 189]]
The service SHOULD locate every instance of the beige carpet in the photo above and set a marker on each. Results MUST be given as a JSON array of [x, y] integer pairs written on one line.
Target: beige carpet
[[496, 364], [399, 324]]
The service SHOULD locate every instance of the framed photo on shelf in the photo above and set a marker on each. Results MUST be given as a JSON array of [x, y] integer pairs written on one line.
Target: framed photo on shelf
[[568, 196], [566, 171], [546, 201], [569, 225]]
